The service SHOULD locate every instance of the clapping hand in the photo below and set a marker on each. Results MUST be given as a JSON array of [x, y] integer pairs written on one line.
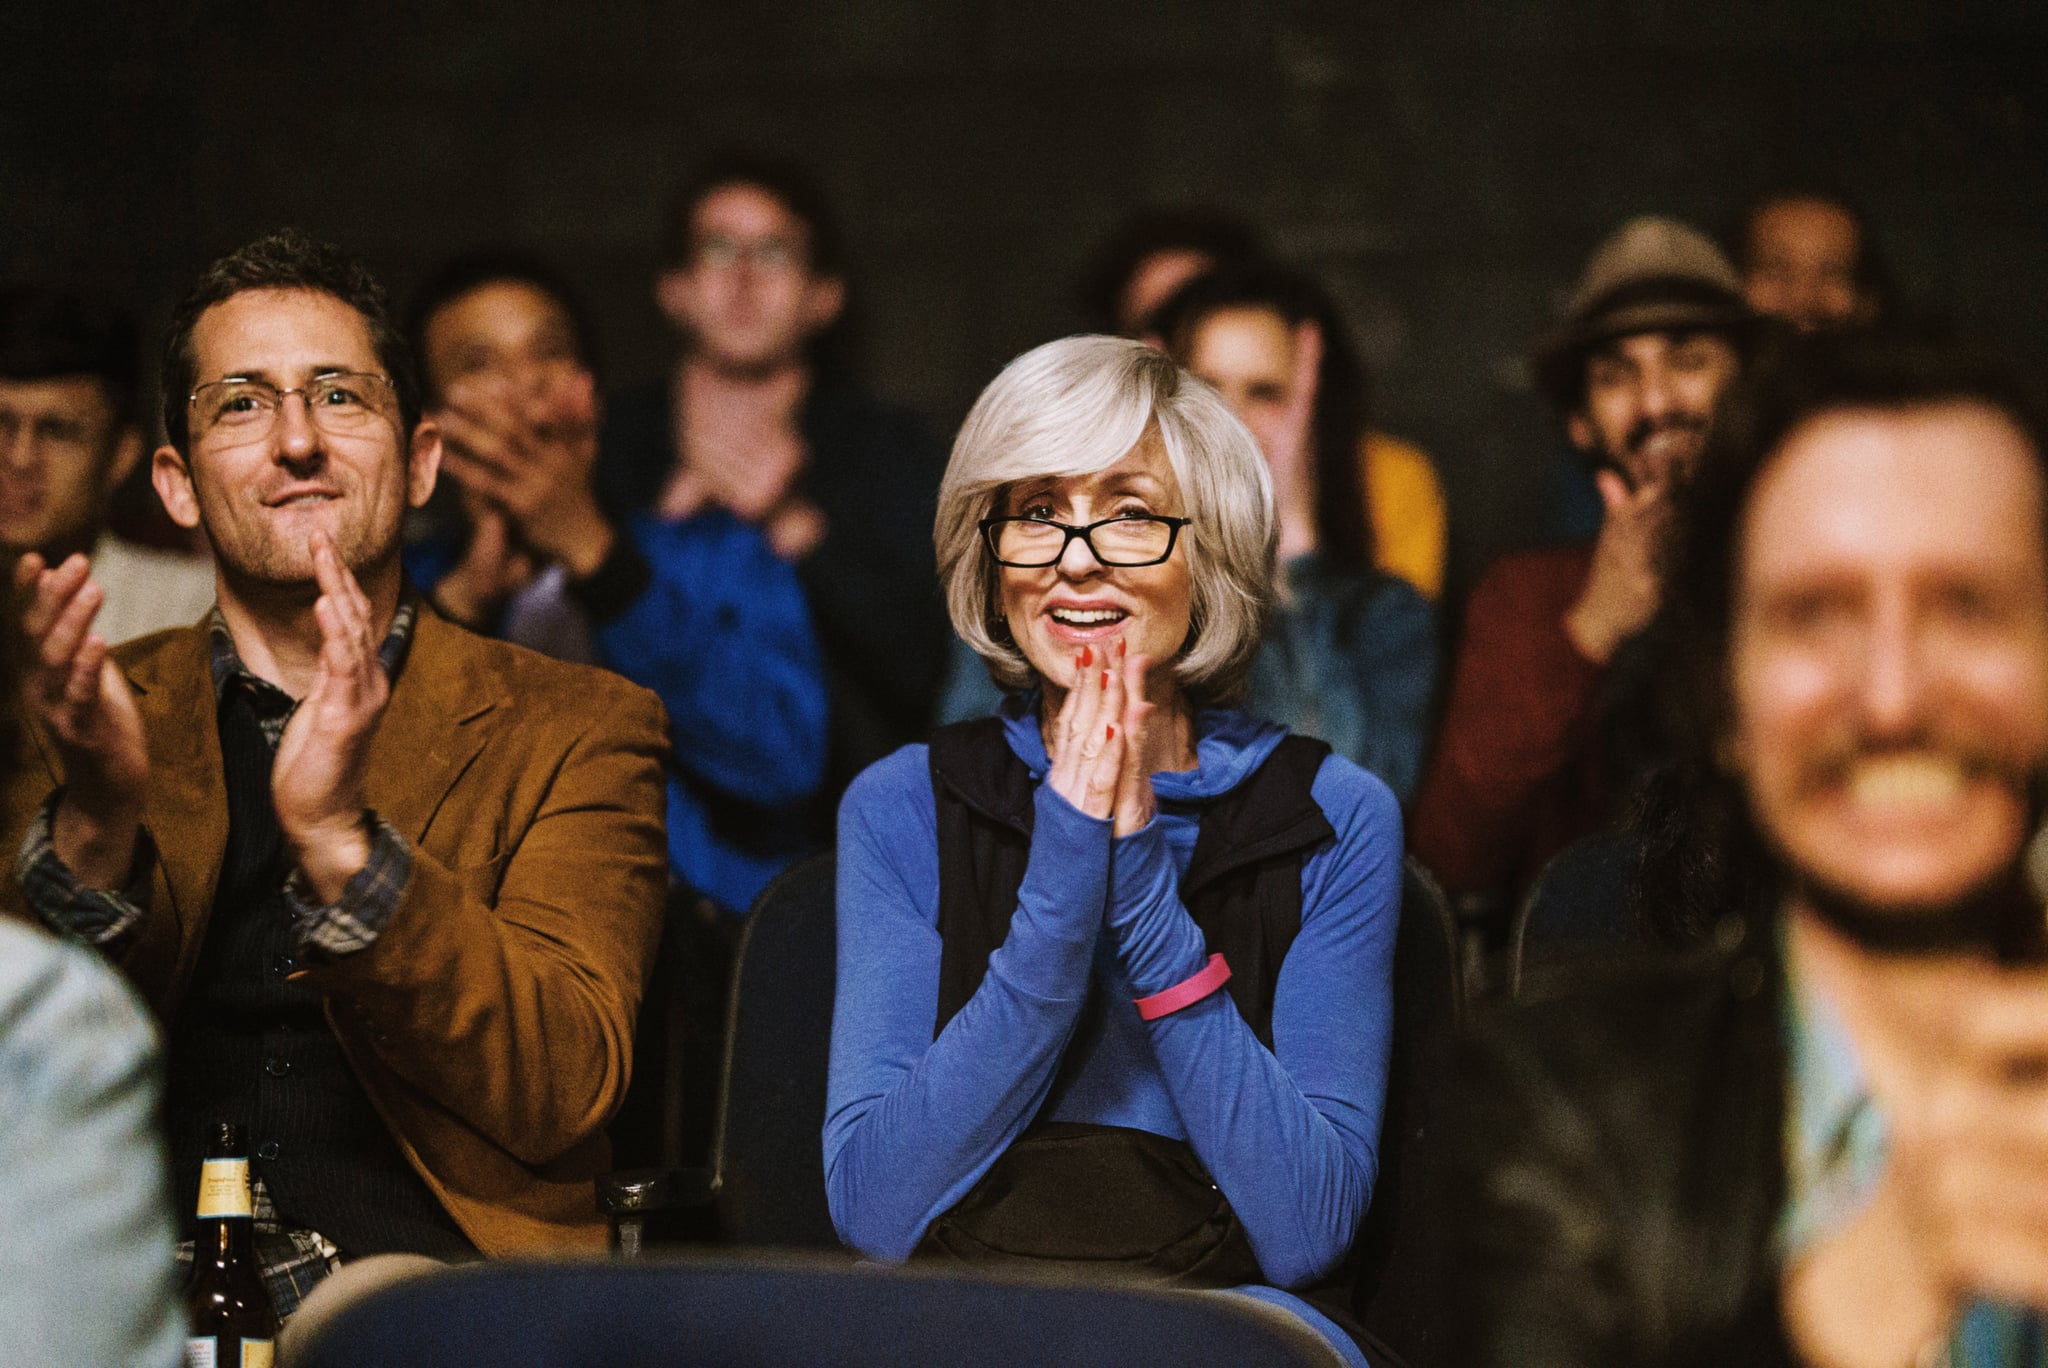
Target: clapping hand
[[1103, 744], [75, 691], [530, 456], [1956, 1057], [1290, 449], [316, 783]]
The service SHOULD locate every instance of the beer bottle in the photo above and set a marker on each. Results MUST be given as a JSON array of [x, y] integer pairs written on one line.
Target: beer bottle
[[233, 1323]]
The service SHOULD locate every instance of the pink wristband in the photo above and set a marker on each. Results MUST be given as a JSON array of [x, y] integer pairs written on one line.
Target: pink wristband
[[1187, 992]]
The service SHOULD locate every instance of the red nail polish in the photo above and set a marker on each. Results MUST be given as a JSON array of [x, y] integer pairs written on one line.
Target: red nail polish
[[1121, 644], [1105, 679], [1112, 731], [1087, 657]]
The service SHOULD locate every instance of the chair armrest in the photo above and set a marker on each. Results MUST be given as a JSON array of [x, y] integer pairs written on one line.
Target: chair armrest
[[628, 1197]]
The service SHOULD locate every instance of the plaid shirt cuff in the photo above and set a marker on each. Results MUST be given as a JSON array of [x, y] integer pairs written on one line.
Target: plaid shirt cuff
[[354, 920], [67, 906]]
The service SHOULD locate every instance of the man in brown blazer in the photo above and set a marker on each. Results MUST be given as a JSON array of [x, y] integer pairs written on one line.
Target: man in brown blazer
[[393, 889]]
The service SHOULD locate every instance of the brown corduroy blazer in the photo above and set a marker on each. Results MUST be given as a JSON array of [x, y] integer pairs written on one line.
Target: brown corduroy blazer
[[491, 1023]]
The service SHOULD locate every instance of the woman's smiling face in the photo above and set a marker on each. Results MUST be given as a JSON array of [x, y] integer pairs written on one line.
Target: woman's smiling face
[[1055, 611]]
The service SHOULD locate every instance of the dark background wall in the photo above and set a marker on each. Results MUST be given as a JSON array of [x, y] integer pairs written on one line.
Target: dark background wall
[[1446, 165]]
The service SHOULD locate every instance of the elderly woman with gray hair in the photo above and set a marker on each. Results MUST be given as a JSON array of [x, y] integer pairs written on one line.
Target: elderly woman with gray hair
[[1114, 965]]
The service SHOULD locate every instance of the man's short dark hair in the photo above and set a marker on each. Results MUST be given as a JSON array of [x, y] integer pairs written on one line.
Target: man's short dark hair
[[285, 260], [1342, 526], [790, 183], [48, 333], [1701, 855], [1223, 237], [473, 271]]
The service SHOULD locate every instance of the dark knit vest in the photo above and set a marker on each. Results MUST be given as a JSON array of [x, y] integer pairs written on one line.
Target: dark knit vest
[[247, 1045], [1087, 1196]]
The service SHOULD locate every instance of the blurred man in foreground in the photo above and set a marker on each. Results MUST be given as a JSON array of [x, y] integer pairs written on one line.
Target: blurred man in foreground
[[84, 1221], [1825, 1142], [392, 888]]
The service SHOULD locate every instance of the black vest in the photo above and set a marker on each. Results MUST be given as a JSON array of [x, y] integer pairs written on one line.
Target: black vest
[[1091, 1196], [248, 1045]]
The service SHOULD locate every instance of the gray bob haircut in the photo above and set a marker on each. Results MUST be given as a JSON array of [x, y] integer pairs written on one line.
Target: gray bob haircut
[[1077, 406]]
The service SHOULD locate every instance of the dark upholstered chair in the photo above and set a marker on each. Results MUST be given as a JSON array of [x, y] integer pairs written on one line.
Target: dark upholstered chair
[[1576, 910], [765, 1184], [1397, 1253], [796, 1313]]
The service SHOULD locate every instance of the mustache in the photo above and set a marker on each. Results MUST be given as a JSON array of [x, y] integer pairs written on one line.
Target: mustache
[[1643, 429], [1830, 766]]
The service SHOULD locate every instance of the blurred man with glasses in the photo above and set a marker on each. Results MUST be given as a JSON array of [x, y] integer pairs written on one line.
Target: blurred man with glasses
[[761, 417], [393, 889], [68, 438]]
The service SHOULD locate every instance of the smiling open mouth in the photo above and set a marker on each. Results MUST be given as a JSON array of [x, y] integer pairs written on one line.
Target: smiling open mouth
[[1088, 617], [1906, 782]]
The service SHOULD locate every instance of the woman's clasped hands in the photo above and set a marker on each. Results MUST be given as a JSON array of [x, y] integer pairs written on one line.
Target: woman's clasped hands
[[1103, 743]]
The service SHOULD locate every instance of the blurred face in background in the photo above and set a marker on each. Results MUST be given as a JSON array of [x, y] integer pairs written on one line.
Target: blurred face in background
[[1888, 659], [747, 296], [1650, 399], [505, 332], [1248, 356], [1804, 257], [63, 448], [506, 354]]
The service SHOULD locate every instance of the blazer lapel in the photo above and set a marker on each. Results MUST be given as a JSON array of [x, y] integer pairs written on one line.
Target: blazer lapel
[[438, 721], [186, 809]]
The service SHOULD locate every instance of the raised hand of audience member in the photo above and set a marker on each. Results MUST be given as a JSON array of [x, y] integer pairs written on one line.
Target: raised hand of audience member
[[1148, 747], [73, 688], [494, 566], [1085, 741], [316, 782], [530, 454], [1290, 447], [743, 451], [1103, 743], [1955, 1052], [1623, 587]]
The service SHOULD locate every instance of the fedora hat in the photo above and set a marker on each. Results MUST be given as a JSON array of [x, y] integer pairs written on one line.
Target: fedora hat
[[1651, 275]]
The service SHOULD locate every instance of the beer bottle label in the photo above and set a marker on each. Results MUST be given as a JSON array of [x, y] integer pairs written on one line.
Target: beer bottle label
[[223, 1188], [203, 1351]]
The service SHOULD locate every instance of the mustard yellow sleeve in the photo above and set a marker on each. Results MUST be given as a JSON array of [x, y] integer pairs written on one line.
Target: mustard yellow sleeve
[[1407, 509]]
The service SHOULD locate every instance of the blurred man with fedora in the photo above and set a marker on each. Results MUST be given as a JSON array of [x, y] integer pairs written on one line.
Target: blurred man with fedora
[[1655, 332]]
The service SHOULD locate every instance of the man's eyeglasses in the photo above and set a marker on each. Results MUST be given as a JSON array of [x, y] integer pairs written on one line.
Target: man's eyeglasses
[[339, 402], [719, 252], [1123, 542]]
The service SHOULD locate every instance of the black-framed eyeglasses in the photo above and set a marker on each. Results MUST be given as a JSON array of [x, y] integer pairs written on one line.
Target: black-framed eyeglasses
[[1122, 542], [338, 402]]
